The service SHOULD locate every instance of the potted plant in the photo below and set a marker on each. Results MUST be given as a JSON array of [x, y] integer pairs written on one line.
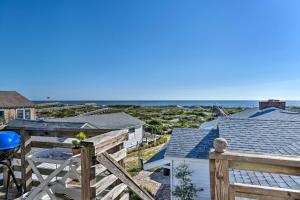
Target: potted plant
[[76, 149]]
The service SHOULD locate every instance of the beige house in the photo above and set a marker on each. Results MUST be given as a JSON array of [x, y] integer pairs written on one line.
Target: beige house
[[15, 106]]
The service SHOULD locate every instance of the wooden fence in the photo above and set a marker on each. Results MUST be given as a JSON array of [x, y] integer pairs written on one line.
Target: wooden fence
[[102, 154], [221, 161]]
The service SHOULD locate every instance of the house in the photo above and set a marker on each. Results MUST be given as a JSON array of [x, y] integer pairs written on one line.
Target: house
[[113, 121], [264, 130], [15, 106]]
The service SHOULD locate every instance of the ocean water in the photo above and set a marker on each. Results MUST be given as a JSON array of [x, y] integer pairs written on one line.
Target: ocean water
[[224, 103]]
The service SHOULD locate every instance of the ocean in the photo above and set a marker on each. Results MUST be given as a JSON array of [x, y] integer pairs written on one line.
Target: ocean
[[224, 103]]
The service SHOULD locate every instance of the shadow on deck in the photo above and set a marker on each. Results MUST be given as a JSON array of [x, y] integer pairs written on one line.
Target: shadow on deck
[[13, 193]]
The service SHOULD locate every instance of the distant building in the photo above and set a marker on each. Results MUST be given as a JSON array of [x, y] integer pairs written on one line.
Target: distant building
[[15, 106], [115, 121], [269, 129]]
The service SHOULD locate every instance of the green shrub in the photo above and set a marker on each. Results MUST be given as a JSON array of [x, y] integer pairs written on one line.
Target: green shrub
[[81, 136], [155, 122]]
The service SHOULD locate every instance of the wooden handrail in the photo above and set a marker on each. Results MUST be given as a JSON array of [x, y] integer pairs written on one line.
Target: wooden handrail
[[99, 143], [221, 160], [27, 143], [291, 161], [262, 192], [111, 142]]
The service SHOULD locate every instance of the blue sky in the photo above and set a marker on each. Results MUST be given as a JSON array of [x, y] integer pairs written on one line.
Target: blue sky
[[158, 49]]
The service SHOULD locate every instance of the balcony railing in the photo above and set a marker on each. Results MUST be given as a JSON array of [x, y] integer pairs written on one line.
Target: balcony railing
[[102, 155], [221, 161]]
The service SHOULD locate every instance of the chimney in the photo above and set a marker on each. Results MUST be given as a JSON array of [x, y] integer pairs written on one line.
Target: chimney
[[272, 103]]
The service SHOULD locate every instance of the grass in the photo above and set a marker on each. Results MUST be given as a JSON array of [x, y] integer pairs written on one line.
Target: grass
[[132, 166]]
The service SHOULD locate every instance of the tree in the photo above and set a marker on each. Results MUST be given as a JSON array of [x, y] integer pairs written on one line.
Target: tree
[[185, 190]]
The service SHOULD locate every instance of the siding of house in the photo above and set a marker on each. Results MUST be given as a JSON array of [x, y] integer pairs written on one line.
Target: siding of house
[[200, 176], [134, 138], [11, 114]]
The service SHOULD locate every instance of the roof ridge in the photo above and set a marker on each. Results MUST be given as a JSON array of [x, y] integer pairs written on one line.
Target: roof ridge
[[256, 119]]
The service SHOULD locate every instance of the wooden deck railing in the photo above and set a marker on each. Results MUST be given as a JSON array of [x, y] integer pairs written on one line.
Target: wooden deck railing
[[221, 161], [27, 144], [102, 154]]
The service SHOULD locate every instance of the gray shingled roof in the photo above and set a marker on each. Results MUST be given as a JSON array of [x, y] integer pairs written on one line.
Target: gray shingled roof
[[190, 143], [159, 155], [12, 99], [245, 135], [268, 113], [270, 131], [19, 123], [265, 179], [105, 121], [262, 136], [255, 113]]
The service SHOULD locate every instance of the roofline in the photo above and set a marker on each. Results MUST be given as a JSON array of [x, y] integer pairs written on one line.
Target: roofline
[[186, 159], [256, 119], [156, 163], [16, 107]]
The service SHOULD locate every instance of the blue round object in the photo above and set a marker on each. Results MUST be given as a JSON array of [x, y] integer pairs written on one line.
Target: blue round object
[[9, 140]]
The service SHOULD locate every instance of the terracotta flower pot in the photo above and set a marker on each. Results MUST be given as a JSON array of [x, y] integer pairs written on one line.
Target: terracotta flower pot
[[76, 151]]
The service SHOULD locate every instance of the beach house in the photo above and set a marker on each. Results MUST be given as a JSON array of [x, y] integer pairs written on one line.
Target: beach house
[[269, 129], [15, 106], [111, 121]]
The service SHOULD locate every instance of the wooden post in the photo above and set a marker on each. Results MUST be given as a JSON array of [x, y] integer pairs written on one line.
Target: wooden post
[[219, 172], [5, 176], [212, 171], [26, 171], [88, 171]]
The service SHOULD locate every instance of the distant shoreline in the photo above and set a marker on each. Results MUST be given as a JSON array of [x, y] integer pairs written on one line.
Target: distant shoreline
[[224, 103]]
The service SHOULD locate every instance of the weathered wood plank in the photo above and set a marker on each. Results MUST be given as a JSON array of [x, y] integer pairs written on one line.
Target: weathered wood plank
[[221, 179], [43, 171], [125, 196], [40, 144], [88, 172], [118, 156], [99, 139], [290, 161], [212, 171], [113, 166], [263, 192], [231, 193], [108, 140], [264, 168], [26, 172], [103, 147], [104, 183], [115, 192], [59, 132]]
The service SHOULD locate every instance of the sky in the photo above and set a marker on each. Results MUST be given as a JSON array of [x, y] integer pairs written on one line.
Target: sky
[[150, 49]]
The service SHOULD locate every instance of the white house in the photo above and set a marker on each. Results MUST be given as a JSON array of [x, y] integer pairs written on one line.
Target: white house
[[115, 121], [270, 130]]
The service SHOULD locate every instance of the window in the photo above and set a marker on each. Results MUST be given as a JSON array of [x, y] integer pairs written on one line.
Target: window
[[23, 114], [27, 114], [2, 117], [1, 113], [20, 114], [131, 130]]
